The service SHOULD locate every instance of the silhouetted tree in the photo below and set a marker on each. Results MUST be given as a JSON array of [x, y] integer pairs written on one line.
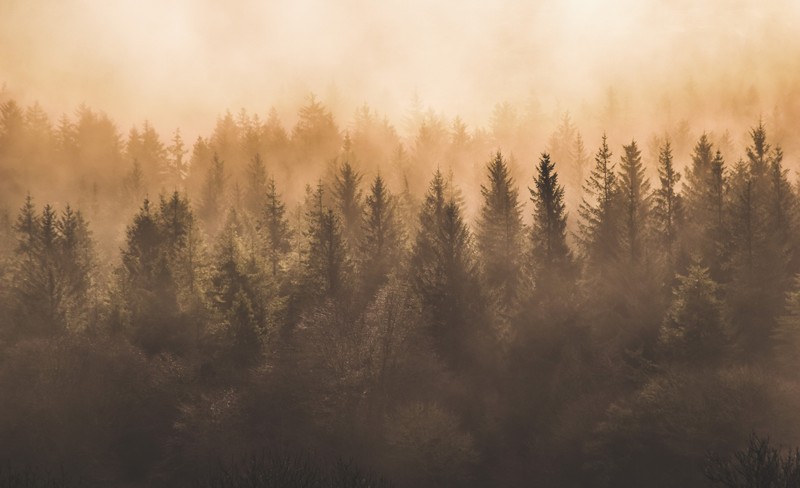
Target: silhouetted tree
[[499, 233], [381, 236], [635, 192], [667, 210], [600, 210], [552, 260]]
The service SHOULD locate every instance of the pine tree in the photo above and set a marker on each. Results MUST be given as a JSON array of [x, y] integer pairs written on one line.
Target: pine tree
[[695, 329], [256, 189], [275, 227], [600, 208], [213, 195], [499, 234], [551, 256], [635, 191], [444, 275], [347, 195], [760, 254], [76, 263], [52, 278], [234, 292], [176, 169], [667, 210], [381, 235], [326, 262]]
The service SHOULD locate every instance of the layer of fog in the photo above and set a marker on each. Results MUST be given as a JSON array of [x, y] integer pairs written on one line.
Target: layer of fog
[[181, 63]]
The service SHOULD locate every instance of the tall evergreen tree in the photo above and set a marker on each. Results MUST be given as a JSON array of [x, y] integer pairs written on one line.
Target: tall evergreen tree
[[600, 208], [636, 197], [234, 294], [52, 277], [212, 198], [499, 233], [551, 254], [381, 235], [667, 210], [347, 195], [275, 228], [326, 261], [444, 276], [256, 189]]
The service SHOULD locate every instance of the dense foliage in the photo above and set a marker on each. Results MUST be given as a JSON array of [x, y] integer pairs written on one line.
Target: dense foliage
[[197, 317]]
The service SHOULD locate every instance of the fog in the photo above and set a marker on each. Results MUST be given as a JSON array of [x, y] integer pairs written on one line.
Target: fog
[[181, 63], [399, 243]]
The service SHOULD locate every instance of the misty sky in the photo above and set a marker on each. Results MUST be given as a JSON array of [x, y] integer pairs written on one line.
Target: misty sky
[[182, 62]]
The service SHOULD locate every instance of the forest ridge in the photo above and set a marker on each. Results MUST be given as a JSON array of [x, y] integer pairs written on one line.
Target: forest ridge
[[257, 308]]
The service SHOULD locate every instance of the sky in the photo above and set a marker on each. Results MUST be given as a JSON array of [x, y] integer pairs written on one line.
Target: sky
[[183, 62]]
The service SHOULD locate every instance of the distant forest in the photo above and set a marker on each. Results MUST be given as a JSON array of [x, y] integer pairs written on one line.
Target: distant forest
[[342, 306]]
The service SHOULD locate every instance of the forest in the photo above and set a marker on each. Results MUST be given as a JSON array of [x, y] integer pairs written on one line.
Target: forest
[[331, 303]]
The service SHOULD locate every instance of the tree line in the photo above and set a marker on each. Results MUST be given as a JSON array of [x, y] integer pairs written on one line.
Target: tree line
[[371, 323]]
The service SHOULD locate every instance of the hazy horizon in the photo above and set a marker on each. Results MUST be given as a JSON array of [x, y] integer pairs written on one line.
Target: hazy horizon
[[182, 64]]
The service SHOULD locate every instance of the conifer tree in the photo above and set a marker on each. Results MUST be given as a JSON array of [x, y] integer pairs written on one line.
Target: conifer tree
[[695, 329], [499, 233], [635, 191], [326, 262], [600, 208], [213, 194], [381, 235], [347, 195], [667, 210], [52, 279], [551, 255], [234, 292], [275, 228], [176, 169], [444, 275], [256, 189]]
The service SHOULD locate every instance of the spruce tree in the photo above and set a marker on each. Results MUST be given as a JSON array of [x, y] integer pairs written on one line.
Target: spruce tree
[[381, 235], [213, 195], [347, 196], [600, 208], [667, 210], [550, 253], [326, 261], [275, 228], [499, 233], [635, 192], [444, 275], [255, 199]]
